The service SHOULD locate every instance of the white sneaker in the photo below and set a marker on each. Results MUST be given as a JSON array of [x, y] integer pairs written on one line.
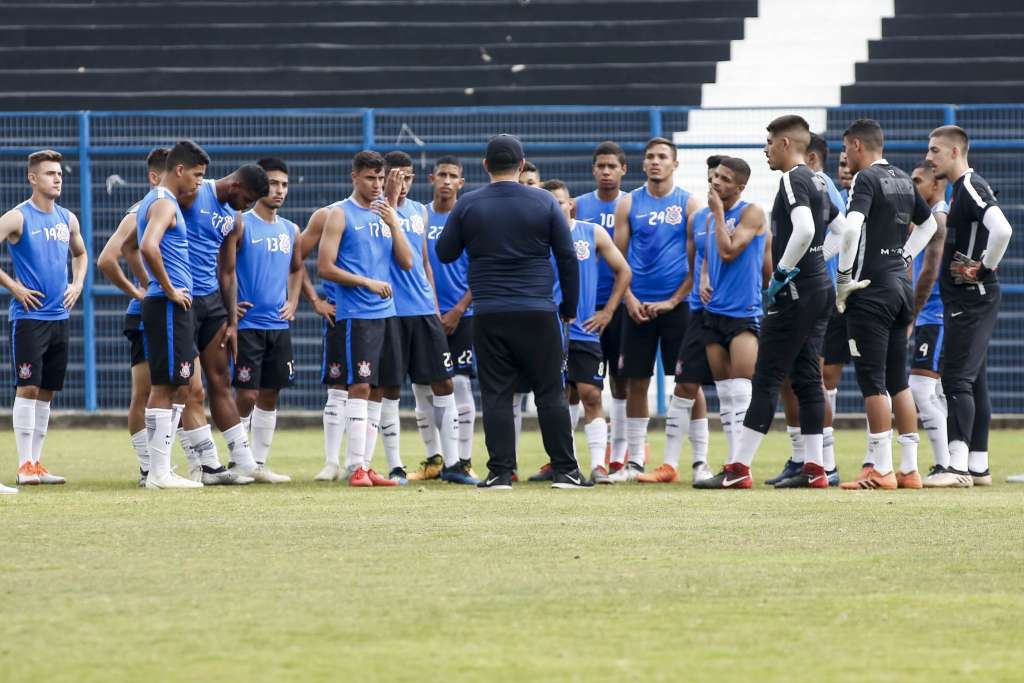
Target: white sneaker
[[170, 480], [263, 475], [1015, 479], [330, 472], [223, 477], [950, 479], [628, 473], [7, 490], [701, 471]]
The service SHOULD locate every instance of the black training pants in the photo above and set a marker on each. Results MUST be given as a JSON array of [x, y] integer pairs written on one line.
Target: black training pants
[[525, 344]]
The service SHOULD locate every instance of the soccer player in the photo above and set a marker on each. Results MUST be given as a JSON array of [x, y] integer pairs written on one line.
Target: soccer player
[[40, 233], [360, 239], [651, 229], [586, 364], [978, 235], [609, 168], [423, 344], [529, 175], [926, 360], [874, 289], [269, 270], [455, 302], [167, 320], [798, 301]]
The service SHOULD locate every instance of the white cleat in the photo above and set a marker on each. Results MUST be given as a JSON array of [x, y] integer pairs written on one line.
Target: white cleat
[[263, 475], [243, 471], [1015, 479], [330, 472], [27, 475], [171, 480], [223, 477], [628, 473], [701, 472], [7, 490], [950, 479]]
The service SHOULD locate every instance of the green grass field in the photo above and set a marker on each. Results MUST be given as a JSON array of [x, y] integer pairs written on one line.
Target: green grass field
[[102, 581]]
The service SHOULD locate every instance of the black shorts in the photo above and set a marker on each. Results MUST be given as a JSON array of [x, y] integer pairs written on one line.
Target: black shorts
[[133, 331], [423, 350], [39, 350], [611, 340], [692, 363], [210, 315], [363, 351], [722, 329], [586, 364], [640, 342], [265, 360], [876, 323], [168, 333], [460, 344], [837, 343]]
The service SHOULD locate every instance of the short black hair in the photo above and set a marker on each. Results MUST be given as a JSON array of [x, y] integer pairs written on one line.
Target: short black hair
[[188, 154], [609, 148], [269, 164], [367, 159], [819, 147], [156, 160], [868, 131], [654, 142], [554, 184], [737, 166], [397, 159], [715, 160], [787, 122], [530, 167], [254, 179], [448, 160]]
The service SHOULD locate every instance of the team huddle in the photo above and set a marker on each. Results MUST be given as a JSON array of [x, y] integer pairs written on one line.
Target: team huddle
[[757, 304]]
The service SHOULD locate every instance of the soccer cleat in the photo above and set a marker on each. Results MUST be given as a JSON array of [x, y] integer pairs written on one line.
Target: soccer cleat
[[263, 475], [360, 478], [378, 480], [242, 475], [330, 472], [614, 467], [460, 473], [789, 470], [665, 474], [468, 464], [630, 472], [397, 474], [170, 480], [7, 490], [733, 476], [429, 469], [599, 475], [933, 472], [811, 477], [1015, 479], [545, 473], [701, 471], [46, 478], [871, 480], [27, 475], [220, 476], [950, 479], [142, 478], [500, 482], [981, 478], [909, 480], [571, 480], [243, 470], [833, 477]]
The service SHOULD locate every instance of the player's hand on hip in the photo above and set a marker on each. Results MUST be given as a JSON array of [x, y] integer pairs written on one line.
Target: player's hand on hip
[[598, 322], [287, 312], [243, 308], [181, 297], [29, 298], [71, 295], [779, 279], [380, 288]]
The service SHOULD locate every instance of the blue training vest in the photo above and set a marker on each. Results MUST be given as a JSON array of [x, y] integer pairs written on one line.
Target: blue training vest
[[40, 260], [736, 283], [174, 246], [591, 209], [586, 255], [657, 244], [263, 265], [413, 293], [450, 279], [209, 222], [365, 250]]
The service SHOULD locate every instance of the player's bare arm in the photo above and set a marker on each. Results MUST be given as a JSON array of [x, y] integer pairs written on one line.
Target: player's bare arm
[[637, 311], [327, 257], [10, 231], [160, 219], [751, 224], [296, 271], [930, 266], [79, 264], [107, 261], [607, 250], [227, 278]]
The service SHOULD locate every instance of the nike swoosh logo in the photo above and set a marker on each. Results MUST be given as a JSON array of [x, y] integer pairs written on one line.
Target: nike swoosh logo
[[204, 212], [491, 481], [574, 480], [818, 478], [771, 312], [727, 482], [34, 232], [359, 227], [256, 241], [953, 315]]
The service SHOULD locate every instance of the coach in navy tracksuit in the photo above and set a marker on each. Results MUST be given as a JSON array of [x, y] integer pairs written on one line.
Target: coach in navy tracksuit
[[510, 232]]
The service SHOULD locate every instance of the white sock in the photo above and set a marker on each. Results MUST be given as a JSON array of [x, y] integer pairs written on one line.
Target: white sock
[[23, 418], [247, 423], [977, 462], [238, 447], [830, 396], [958, 456], [677, 418], [574, 415], [159, 429], [700, 436], [828, 449], [466, 406], [176, 410], [942, 398], [880, 451], [40, 428], [356, 410], [373, 409], [747, 443], [446, 416], [618, 430], [186, 447], [908, 451], [141, 449], [264, 422], [813, 446], [389, 432], [636, 437], [933, 415], [796, 443], [740, 391], [724, 389], [204, 450], [334, 424], [597, 437], [425, 418], [517, 415]]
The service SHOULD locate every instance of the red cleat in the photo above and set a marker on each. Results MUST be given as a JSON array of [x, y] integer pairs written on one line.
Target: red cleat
[[360, 478], [377, 480]]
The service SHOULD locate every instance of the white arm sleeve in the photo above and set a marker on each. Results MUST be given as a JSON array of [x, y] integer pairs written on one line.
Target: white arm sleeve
[[920, 236], [851, 238], [999, 232], [834, 238], [800, 240]]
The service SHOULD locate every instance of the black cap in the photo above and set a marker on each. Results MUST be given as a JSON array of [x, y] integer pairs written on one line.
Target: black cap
[[504, 151]]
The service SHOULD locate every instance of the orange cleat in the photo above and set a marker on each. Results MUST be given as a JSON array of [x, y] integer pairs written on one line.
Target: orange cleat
[[27, 475], [665, 474], [377, 480], [910, 480], [46, 478], [870, 479], [360, 478]]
